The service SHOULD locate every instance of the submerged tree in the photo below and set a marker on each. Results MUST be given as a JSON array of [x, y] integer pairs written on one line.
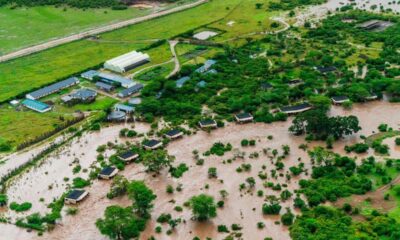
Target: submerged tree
[[120, 223], [203, 207], [142, 197]]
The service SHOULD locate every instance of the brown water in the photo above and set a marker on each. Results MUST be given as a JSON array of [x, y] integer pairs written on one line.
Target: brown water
[[240, 207]]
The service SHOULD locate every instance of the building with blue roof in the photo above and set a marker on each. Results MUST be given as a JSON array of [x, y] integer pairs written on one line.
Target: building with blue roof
[[181, 81], [207, 65], [89, 75], [130, 91], [36, 105], [116, 79], [124, 108]]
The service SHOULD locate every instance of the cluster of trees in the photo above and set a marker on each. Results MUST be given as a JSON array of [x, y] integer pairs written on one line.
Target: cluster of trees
[[329, 223], [291, 4], [333, 177], [319, 126], [127, 223]]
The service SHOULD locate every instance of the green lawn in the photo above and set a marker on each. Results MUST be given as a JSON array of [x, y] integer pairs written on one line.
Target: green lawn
[[22, 74], [22, 27]]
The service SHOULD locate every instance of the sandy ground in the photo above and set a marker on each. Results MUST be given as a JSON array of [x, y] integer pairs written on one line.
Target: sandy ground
[[243, 208]]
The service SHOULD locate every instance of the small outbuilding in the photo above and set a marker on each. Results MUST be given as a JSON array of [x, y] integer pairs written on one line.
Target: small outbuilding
[[152, 144], [128, 156], [208, 123], [174, 134], [244, 117], [299, 108], [130, 91], [104, 86], [36, 105], [75, 196], [124, 108], [108, 173], [326, 70], [337, 100]]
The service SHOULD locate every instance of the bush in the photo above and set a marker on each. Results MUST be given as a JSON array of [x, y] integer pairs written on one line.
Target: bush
[[20, 207], [397, 141], [3, 200], [223, 228], [80, 182], [271, 209]]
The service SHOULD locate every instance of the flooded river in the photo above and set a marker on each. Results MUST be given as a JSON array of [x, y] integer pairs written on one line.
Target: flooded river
[[241, 207]]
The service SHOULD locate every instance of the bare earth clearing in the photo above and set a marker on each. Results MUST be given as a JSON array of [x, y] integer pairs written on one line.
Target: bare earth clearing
[[241, 207]]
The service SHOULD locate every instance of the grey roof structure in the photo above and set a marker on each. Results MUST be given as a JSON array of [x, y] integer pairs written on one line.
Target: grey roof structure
[[207, 65], [52, 88], [340, 98], [151, 143], [124, 108], [326, 69], [296, 108], [132, 90], [173, 133], [181, 81], [104, 86], [116, 116], [113, 78], [84, 94], [207, 122], [127, 154], [89, 75], [75, 194], [107, 171], [243, 116]]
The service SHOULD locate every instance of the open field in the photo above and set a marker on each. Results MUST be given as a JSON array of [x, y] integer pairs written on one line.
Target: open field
[[45, 67], [22, 27]]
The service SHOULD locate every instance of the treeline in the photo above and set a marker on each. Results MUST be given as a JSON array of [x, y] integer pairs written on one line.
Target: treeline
[[291, 4], [115, 4]]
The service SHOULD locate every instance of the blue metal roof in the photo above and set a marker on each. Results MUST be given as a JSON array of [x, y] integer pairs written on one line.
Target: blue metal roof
[[206, 66], [181, 81], [35, 105], [90, 74], [124, 107], [125, 82]]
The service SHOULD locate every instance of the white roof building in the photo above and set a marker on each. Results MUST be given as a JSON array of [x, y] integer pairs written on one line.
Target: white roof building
[[127, 62]]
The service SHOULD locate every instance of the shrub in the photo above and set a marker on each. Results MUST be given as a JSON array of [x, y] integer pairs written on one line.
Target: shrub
[[20, 207]]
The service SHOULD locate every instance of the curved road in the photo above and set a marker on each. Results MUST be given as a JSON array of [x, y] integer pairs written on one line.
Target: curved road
[[114, 26]]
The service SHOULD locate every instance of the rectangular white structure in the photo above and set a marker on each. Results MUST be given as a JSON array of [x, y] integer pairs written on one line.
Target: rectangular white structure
[[127, 62]]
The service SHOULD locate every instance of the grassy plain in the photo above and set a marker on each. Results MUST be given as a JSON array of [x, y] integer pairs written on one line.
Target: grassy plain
[[33, 71], [22, 27]]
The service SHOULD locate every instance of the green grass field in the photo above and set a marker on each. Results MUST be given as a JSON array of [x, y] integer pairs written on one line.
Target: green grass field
[[33, 71], [23, 74], [22, 27]]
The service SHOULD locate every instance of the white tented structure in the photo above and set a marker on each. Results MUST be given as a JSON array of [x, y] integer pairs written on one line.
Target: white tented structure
[[127, 62]]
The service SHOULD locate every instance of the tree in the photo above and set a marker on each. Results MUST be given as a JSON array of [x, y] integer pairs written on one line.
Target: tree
[[155, 161], [287, 218], [118, 187], [120, 223], [142, 197], [203, 207], [271, 209], [3, 200]]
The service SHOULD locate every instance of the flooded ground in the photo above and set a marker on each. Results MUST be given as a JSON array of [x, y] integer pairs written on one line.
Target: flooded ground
[[241, 207], [318, 12]]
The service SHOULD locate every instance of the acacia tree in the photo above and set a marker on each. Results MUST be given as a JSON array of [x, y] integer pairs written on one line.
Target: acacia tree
[[155, 161], [203, 207], [142, 198], [120, 223]]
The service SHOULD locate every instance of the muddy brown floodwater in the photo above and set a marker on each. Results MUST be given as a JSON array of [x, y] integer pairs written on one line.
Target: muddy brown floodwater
[[241, 207]]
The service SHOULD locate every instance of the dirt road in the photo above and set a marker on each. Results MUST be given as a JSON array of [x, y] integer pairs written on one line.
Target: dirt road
[[111, 27]]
